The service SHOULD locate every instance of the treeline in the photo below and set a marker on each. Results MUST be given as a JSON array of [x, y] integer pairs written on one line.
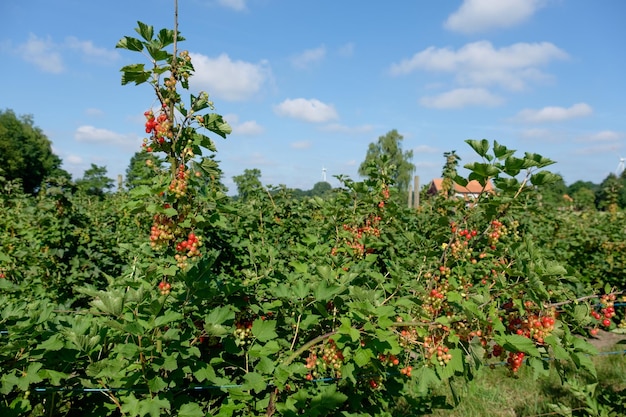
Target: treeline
[[26, 155]]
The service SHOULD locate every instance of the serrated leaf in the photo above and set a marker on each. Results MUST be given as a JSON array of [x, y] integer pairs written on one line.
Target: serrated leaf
[[426, 378], [157, 384], [347, 329], [154, 406], [362, 357], [264, 330], [254, 381], [518, 343], [501, 151], [481, 147], [146, 31], [132, 44], [190, 410], [169, 317]]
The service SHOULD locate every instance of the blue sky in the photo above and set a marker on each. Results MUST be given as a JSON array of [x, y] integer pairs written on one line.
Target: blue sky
[[308, 85]]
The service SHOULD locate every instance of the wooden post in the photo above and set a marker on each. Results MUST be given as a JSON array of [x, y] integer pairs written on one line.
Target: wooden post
[[416, 191]]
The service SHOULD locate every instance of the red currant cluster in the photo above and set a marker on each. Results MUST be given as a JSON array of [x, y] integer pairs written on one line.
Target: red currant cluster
[[189, 247], [355, 242], [408, 335], [161, 232], [159, 128], [385, 196], [607, 310], [533, 326], [178, 186], [327, 357], [495, 232], [515, 360], [164, 287], [390, 360], [434, 346]]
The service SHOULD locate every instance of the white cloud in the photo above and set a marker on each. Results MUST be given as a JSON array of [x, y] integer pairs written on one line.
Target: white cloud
[[482, 15], [536, 133], [602, 136], [93, 134], [554, 114], [237, 5], [425, 149], [308, 57], [304, 144], [480, 64], [250, 127], [603, 148], [462, 97], [73, 160], [311, 110], [88, 49], [43, 53], [228, 79], [47, 54]]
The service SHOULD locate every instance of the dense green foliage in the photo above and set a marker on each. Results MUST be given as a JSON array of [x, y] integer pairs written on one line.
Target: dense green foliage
[[387, 154], [172, 299], [25, 152]]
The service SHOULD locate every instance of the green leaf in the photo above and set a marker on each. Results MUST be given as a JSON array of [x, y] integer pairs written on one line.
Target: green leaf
[[299, 267], [132, 44], [134, 73], [584, 361], [190, 410], [265, 365], [501, 152], [263, 330], [53, 343], [254, 381], [518, 343], [481, 147], [426, 378], [347, 329], [146, 31], [543, 178], [155, 407], [205, 372], [157, 384], [156, 53], [362, 357], [540, 367], [328, 399], [557, 350]]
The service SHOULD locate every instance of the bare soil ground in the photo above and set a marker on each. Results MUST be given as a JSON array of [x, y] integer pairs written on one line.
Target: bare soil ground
[[607, 341]]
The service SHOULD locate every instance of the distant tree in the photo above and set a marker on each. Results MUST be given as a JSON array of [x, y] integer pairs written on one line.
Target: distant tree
[[248, 184], [320, 189], [621, 201], [26, 153], [607, 197], [140, 171], [584, 199], [573, 188], [387, 154], [449, 172], [554, 193], [94, 181]]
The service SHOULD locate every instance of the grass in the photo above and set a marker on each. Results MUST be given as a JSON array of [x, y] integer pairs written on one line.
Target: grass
[[495, 393]]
